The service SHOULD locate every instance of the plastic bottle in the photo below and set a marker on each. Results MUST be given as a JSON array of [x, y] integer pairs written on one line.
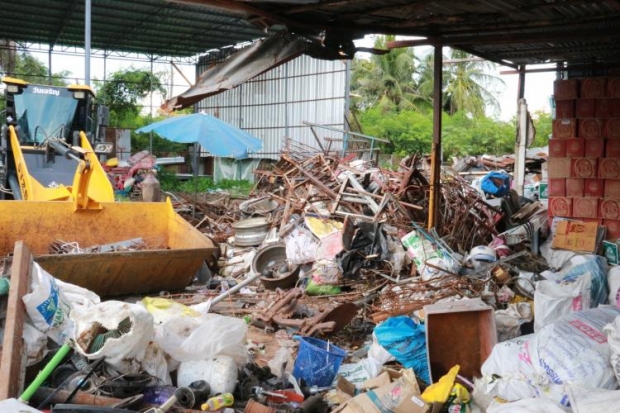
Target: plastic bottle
[[218, 402]]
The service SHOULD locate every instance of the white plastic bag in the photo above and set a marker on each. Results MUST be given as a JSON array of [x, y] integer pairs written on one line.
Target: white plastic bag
[[50, 301], [301, 246], [508, 321], [553, 300], [526, 406], [358, 373], [124, 352], [221, 373], [613, 336], [572, 350], [588, 400], [282, 359], [36, 344], [613, 278], [155, 364], [204, 337]]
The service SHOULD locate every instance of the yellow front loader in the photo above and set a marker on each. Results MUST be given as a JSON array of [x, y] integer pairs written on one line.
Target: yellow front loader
[[54, 189]]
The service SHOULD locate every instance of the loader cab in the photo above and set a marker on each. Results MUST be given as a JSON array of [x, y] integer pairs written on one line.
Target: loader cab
[[42, 114]]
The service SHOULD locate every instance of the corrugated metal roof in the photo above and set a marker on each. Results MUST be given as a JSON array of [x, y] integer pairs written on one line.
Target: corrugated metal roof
[[573, 31], [151, 27]]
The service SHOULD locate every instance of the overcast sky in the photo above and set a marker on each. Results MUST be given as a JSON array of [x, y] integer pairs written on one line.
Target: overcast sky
[[538, 86]]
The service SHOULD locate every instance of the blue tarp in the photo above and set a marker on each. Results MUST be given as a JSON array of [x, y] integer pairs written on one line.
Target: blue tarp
[[213, 134]]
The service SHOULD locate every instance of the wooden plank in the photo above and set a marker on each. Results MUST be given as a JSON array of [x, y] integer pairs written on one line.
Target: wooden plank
[[12, 361]]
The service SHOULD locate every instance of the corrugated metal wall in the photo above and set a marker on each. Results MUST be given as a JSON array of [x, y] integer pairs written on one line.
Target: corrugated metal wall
[[274, 105]]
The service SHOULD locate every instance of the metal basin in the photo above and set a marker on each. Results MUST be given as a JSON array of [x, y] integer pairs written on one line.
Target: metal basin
[[271, 259], [251, 232]]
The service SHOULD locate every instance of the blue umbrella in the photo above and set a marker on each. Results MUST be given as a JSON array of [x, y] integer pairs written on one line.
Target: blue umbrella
[[216, 136]]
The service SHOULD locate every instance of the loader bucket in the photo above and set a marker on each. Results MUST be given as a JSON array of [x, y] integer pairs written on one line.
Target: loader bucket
[[176, 250]]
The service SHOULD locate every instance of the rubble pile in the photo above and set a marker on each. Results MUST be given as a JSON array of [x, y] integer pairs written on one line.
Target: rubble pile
[[327, 292]]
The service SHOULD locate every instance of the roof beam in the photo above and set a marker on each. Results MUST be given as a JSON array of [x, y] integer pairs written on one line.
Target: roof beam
[[511, 38], [65, 21]]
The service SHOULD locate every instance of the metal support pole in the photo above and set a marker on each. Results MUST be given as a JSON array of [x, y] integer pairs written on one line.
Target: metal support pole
[[105, 66], [435, 194], [87, 13], [521, 82], [151, 87], [347, 108], [49, 65], [522, 127]]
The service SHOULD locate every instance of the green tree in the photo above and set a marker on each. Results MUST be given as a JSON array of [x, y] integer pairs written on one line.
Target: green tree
[[122, 93], [543, 125], [27, 67], [386, 81]]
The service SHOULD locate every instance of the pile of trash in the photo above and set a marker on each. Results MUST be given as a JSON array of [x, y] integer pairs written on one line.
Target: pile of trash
[[331, 294]]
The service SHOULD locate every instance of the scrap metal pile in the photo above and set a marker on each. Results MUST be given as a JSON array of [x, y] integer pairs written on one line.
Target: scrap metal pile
[[346, 225]]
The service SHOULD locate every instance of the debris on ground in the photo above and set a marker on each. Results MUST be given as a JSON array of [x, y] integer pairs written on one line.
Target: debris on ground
[[330, 293]]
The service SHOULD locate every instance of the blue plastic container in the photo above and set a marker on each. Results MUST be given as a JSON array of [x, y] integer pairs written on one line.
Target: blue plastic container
[[317, 361]]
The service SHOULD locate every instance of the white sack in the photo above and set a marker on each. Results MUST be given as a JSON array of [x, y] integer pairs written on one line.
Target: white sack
[[587, 400], [50, 301], [508, 321], [573, 350], [553, 300], [125, 353], [205, 337], [613, 336]]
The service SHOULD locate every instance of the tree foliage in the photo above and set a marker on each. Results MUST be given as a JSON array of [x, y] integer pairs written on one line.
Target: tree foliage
[[386, 81], [412, 132], [123, 91], [393, 95]]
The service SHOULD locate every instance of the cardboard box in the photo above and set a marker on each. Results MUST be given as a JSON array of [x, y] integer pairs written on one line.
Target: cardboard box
[[603, 108], [613, 229], [575, 187], [576, 236], [557, 148], [566, 89], [401, 395], [557, 187], [593, 87], [594, 188], [559, 167], [564, 128], [469, 347], [609, 168], [560, 207], [585, 207], [613, 87], [590, 128], [565, 109], [612, 128], [609, 208], [584, 108], [612, 148], [612, 188], [594, 148], [583, 167], [575, 148], [614, 108]]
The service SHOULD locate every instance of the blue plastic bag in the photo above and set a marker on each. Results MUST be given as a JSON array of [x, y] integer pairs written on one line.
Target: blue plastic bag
[[597, 267], [496, 183], [406, 341]]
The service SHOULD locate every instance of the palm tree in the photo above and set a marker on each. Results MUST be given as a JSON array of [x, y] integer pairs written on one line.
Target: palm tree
[[467, 85], [470, 86], [387, 80]]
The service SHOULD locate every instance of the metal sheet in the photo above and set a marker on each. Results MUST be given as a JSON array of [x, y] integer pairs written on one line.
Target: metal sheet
[[239, 67], [274, 105], [122, 273]]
